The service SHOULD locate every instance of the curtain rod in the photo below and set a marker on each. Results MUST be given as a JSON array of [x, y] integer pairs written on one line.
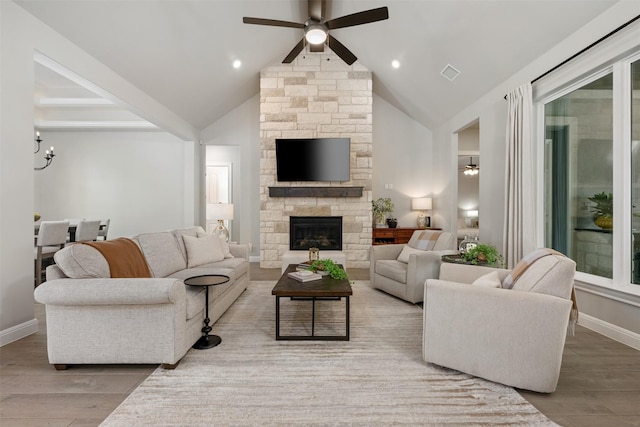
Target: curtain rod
[[601, 39]]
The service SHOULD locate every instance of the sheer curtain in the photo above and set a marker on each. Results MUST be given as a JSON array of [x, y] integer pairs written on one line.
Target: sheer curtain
[[519, 223]]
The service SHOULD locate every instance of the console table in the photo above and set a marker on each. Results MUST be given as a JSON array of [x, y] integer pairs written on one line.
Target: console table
[[386, 236]]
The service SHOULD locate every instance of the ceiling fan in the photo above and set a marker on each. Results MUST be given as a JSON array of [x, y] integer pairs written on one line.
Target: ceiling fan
[[471, 169], [316, 29]]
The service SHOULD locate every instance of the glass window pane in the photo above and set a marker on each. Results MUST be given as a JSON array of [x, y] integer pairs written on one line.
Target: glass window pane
[[635, 169], [579, 176]]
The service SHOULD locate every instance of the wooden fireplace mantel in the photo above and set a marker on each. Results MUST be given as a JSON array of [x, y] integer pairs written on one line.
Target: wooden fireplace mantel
[[315, 191]]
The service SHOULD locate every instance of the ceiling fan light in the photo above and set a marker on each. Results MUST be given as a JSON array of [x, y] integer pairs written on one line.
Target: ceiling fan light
[[315, 34]]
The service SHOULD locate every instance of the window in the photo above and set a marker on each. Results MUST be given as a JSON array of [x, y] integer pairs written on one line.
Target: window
[[591, 159], [579, 175]]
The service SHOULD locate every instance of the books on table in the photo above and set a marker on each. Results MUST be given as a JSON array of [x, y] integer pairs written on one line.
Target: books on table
[[304, 276]]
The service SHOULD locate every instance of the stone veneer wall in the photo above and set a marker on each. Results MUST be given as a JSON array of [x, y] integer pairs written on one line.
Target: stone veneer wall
[[318, 95]]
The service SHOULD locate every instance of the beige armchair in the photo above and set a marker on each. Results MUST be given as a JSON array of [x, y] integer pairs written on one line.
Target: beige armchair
[[401, 270], [511, 336]]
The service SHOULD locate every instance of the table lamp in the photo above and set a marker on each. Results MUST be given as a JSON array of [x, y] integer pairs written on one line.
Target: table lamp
[[220, 212], [422, 204]]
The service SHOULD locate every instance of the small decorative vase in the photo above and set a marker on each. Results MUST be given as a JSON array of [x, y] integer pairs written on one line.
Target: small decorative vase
[[314, 254], [604, 222], [467, 244], [392, 222]]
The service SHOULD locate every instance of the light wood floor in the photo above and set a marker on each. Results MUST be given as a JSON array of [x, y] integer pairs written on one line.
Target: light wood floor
[[599, 382]]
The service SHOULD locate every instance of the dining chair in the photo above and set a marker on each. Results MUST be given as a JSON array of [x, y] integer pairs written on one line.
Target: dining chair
[[52, 237], [104, 228], [87, 231]]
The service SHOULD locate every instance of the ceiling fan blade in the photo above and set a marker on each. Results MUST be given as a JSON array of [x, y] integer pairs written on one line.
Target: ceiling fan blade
[[341, 50], [316, 47], [316, 9], [359, 18], [271, 22], [294, 52]]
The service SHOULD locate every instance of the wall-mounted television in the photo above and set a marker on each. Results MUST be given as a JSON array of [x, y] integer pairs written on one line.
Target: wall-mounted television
[[313, 159]]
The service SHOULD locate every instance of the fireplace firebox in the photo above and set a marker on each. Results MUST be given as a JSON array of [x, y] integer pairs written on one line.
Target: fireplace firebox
[[322, 232]]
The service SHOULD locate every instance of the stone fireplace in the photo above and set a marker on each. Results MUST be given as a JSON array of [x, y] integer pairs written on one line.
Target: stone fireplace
[[322, 232], [316, 96]]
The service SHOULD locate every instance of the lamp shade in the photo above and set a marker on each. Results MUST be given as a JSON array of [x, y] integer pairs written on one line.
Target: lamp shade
[[472, 214], [421, 204], [219, 211]]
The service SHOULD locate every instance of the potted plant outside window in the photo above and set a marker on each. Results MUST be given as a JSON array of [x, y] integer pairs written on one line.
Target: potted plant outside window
[[603, 210]]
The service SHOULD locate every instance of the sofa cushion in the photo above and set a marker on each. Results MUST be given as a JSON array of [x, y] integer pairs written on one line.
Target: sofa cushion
[[191, 231], [82, 262], [408, 251], [551, 274], [393, 269], [203, 250], [489, 280], [162, 253], [223, 241]]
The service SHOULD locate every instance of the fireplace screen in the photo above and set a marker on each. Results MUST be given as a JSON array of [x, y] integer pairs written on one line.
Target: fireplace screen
[[322, 232]]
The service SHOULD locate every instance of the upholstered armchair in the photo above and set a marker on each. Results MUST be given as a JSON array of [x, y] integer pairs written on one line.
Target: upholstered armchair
[[401, 270], [511, 336]]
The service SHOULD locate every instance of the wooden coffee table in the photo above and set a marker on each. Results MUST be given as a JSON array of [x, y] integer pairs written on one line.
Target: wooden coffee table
[[323, 289]]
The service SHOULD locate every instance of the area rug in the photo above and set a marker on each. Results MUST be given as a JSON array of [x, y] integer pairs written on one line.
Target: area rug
[[377, 378]]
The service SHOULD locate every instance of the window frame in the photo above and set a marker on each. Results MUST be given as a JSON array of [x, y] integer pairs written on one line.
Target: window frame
[[612, 56]]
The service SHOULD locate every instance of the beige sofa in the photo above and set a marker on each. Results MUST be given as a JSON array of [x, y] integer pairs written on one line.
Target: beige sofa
[[512, 336], [95, 319]]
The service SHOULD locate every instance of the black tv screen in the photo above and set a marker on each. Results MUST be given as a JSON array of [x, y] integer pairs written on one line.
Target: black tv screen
[[313, 159]]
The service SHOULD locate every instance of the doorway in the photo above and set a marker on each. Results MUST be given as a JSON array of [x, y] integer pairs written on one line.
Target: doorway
[[468, 203]]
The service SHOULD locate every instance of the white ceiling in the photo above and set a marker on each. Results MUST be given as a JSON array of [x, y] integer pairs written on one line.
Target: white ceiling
[[180, 52]]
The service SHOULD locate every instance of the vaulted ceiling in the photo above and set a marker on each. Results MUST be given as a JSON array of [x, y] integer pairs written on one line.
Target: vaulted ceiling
[[181, 52]]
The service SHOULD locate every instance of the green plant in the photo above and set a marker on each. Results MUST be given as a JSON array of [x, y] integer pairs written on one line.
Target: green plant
[[604, 204], [334, 270], [484, 254], [381, 207]]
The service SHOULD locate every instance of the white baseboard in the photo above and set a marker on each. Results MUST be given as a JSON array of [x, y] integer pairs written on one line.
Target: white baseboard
[[609, 330], [17, 332]]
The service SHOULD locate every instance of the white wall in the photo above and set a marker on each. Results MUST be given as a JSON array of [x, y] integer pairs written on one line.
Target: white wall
[[401, 158], [241, 127], [16, 175], [134, 178], [22, 35]]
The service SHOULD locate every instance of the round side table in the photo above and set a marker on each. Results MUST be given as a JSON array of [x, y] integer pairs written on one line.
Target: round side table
[[207, 280]]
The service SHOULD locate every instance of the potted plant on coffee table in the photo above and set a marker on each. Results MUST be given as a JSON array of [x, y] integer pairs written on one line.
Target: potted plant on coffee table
[[484, 255]]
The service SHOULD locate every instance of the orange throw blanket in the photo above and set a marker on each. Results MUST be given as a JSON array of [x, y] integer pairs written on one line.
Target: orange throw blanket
[[124, 257]]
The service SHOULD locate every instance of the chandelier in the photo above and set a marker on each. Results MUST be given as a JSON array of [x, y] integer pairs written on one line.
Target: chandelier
[[48, 153], [471, 169]]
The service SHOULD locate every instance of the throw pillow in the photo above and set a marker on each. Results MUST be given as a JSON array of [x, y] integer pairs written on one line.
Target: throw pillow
[[202, 250], [225, 247], [425, 240], [406, 252], [490, 280], [223, 242]]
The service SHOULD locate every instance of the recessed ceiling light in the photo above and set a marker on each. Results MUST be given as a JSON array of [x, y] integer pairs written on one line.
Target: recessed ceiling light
[[450, 72], [395, 63], [237, 63]]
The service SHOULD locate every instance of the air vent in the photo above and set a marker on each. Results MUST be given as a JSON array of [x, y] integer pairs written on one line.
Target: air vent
[[450, 72]]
